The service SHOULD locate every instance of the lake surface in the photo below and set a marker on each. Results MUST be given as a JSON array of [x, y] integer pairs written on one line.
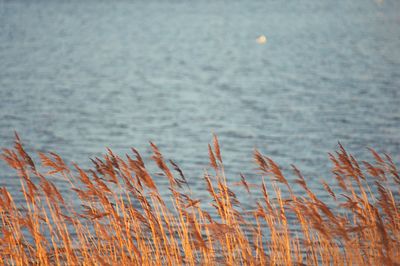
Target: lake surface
[[79, 76]]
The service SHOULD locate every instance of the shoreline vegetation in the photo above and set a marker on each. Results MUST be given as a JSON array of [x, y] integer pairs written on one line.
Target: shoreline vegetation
[[121, 217]]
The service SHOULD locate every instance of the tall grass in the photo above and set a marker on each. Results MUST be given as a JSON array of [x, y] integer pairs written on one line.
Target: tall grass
[[122, 218]]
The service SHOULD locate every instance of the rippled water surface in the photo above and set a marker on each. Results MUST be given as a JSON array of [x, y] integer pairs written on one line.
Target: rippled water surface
[[79, 76]]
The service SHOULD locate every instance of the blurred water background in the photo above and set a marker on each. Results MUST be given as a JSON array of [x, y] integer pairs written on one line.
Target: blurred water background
[[79, 76]]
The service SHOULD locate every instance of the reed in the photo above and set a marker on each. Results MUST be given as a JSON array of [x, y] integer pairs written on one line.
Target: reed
[[120, 217]]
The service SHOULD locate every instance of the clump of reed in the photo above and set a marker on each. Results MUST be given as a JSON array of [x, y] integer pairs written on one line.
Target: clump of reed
[[122, 218]]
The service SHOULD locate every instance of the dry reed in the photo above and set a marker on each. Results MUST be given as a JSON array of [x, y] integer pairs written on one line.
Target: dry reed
[[121, 218]]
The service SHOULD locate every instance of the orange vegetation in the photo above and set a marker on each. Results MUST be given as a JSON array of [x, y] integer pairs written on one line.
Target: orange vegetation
[[121, 218]]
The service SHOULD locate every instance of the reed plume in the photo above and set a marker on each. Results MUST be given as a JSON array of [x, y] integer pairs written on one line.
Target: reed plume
[[115, 214]]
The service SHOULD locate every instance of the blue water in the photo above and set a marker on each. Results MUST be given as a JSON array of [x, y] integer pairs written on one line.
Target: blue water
[[79, 76]]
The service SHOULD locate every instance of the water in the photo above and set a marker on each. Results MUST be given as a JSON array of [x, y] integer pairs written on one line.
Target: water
[[79, 76]]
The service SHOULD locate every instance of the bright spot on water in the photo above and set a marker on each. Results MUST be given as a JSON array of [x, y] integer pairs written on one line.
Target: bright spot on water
[[261, 39]]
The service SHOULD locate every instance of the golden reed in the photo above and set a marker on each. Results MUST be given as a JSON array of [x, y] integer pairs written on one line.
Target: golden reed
[[120, 217]]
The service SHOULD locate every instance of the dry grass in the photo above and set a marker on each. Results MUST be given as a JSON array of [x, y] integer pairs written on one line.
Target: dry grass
[[122, 219]]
